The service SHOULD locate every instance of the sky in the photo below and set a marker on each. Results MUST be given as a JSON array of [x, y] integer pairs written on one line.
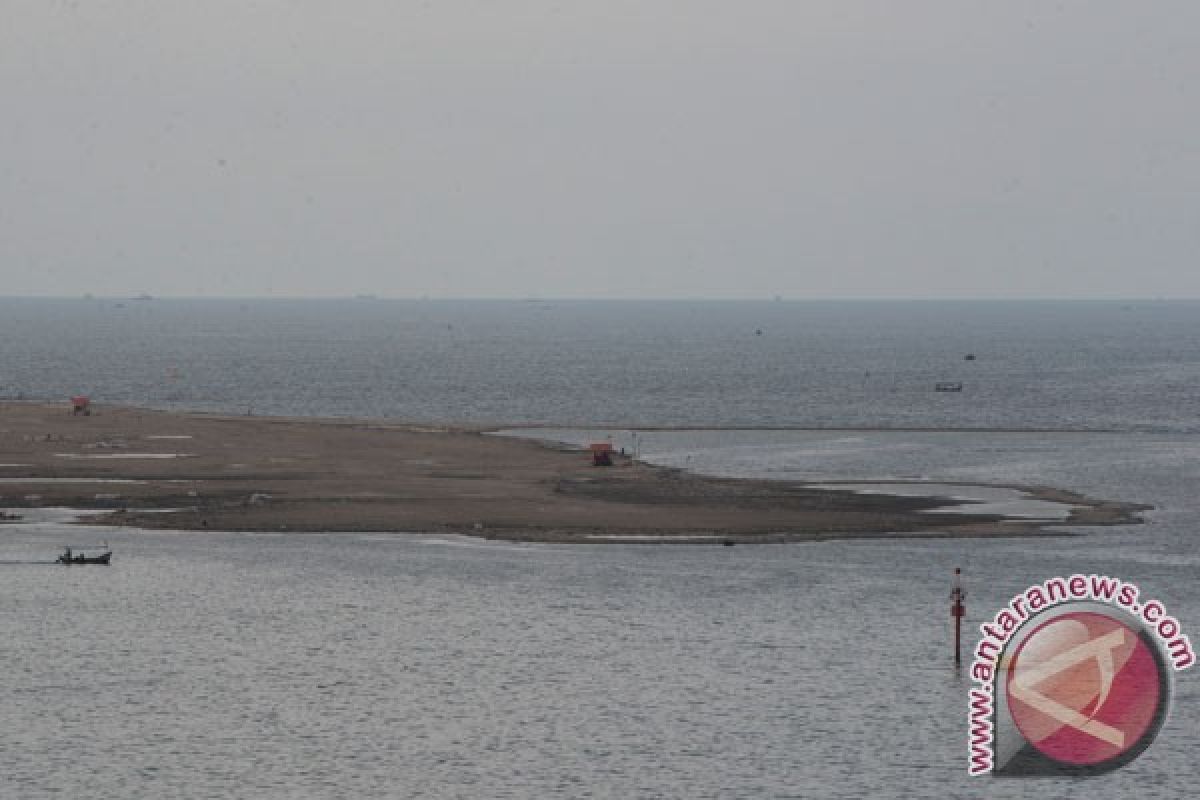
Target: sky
[[615, 149]]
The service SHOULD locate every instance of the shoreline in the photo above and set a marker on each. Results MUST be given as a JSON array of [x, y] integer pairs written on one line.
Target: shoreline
[[525, 426], [223, 472]]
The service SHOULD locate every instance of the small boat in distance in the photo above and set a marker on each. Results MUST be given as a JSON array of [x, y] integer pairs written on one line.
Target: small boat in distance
[[70, 557], [947, 386]]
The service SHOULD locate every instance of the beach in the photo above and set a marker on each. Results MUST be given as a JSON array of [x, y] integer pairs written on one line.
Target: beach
[[197, 471]]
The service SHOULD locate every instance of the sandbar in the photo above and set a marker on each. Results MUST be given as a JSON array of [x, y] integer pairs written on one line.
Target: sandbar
[[250, 473]]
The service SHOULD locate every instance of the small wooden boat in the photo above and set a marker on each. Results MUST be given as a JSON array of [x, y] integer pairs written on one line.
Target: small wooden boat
[[69, 557]]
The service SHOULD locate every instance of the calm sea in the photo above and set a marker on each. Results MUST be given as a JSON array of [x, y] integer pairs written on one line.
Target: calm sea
[[1047, 364], [237, 665]]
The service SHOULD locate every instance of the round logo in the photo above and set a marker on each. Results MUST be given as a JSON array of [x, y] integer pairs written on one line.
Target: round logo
[[1087, 690]]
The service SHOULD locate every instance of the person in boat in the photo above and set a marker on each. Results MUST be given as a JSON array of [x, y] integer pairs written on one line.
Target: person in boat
[[67, 555]]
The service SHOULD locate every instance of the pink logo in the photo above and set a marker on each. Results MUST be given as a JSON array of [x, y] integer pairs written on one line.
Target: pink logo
[[1084, 688]]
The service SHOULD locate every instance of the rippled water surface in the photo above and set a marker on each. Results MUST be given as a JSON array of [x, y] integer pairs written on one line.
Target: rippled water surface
[[1038, 364], [377, 666]]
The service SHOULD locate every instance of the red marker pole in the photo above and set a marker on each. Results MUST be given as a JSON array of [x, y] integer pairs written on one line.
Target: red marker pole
[[958, 610]]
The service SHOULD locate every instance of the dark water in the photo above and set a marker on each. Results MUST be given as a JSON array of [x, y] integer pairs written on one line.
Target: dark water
[[225, 665], [1045, 364]]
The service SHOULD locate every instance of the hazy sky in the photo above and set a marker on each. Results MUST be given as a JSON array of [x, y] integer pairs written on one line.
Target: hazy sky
[[673, 148]]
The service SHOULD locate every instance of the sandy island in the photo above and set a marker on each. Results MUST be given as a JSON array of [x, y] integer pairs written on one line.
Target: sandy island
[[231, 473]]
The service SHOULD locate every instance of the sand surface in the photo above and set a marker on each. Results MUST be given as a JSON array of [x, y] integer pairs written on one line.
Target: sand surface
[[258, 474]]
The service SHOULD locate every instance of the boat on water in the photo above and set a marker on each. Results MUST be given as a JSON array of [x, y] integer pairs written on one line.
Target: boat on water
[[72, 557], [948, 386]]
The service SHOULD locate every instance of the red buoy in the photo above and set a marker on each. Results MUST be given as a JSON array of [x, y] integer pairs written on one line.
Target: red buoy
[[958, 610]]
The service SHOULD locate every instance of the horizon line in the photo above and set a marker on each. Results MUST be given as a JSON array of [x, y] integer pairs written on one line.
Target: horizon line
[[371, 297]]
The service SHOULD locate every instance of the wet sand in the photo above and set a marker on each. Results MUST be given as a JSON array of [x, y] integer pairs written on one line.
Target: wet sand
[[235, 473]]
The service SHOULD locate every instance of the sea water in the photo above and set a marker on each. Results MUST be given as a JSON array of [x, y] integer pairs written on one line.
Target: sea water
[[1086, 365]]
